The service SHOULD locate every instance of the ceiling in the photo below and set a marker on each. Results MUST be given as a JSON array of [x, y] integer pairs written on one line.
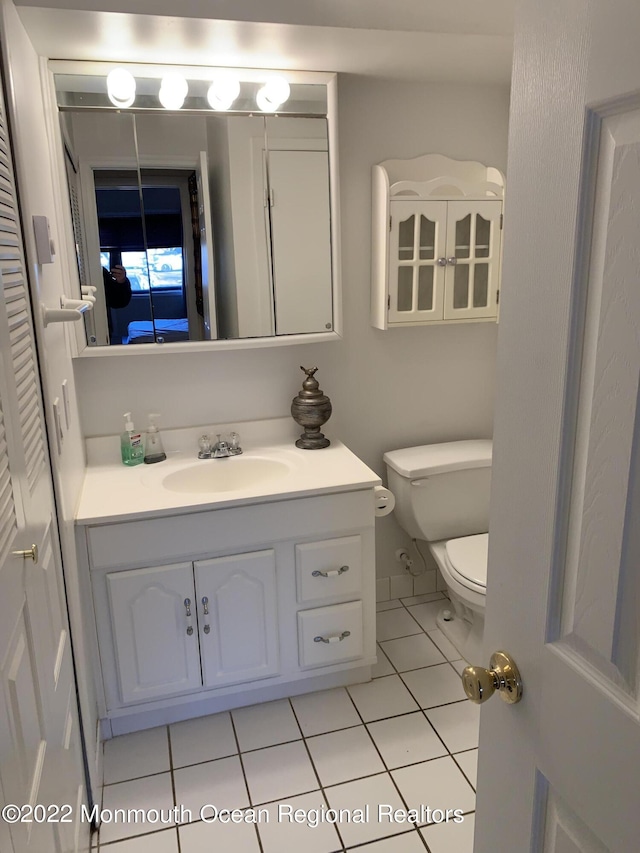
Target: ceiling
[[458, 41]]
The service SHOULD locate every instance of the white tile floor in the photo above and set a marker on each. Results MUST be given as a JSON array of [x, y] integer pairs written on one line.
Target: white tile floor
[[406, 740]]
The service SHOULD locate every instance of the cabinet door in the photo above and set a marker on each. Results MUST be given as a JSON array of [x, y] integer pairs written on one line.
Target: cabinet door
[[237, 615], [473, 253], [301, 238], [416, 245], [153, 620]]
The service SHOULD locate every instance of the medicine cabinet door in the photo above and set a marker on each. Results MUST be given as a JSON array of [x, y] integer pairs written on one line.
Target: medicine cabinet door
[[417, 245]]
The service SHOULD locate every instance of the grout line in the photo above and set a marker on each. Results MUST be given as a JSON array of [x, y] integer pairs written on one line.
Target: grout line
[[109, 844], [384, 763], [244, 776], [423, 710], [317, 774], [173, 783]]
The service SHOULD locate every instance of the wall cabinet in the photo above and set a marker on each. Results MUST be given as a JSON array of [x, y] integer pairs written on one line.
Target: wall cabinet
[[436, 241], [204, 611]]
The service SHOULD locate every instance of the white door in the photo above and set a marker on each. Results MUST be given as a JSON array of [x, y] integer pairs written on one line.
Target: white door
[[206, 249], [560, 771], [40, 743], [237, 617]]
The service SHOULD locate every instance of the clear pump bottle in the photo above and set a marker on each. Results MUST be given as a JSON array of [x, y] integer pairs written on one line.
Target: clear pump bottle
[[131, 448], [153, 449]]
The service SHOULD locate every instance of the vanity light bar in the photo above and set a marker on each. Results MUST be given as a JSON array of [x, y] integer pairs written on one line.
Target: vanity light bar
[[223, 91]]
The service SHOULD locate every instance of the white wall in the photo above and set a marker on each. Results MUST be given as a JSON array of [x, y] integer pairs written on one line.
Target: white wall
[[389, 389]]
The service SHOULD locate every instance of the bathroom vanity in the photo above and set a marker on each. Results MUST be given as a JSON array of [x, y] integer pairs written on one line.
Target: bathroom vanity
[[220, 583]]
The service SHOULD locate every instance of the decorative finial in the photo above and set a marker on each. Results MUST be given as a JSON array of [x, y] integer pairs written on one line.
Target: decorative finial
[[311, 409]]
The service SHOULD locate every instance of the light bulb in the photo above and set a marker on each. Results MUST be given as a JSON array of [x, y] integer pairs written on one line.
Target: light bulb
[[274, 93], [222, 92], [121, 87], [173, 91]]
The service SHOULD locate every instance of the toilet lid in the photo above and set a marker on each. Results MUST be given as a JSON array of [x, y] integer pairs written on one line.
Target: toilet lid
[[468, 556]]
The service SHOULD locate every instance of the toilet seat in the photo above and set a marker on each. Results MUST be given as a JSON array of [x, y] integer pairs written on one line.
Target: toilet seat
[[467, 561]]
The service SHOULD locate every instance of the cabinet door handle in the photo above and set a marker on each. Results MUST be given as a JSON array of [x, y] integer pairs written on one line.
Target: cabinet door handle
[[205, 610], [442, 262], [187, 607], [330, 573], [452, 261], [334, 638]]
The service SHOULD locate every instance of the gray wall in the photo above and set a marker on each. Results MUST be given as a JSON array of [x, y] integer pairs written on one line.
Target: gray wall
[[389, 389]]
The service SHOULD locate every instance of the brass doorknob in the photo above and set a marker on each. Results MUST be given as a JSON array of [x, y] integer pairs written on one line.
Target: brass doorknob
[[480, 683], [28, 554]]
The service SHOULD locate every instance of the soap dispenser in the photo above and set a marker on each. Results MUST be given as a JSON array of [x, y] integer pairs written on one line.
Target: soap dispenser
[[153, 449], [131, 448]]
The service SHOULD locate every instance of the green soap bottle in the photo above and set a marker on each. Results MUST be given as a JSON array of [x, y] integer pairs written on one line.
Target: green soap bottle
[[131, 447]]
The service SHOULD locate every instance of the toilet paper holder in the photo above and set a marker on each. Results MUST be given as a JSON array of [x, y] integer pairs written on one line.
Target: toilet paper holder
[[384, 501]]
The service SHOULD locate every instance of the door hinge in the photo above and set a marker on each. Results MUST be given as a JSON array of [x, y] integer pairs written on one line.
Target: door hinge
[[497, 297], [501, 220], [388, 302]]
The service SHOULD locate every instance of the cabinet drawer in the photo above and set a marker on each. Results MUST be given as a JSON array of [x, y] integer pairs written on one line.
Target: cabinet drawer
[[329, 569], [329, 635]]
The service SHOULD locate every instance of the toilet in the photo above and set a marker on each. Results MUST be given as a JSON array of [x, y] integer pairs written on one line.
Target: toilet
[[442, 497]]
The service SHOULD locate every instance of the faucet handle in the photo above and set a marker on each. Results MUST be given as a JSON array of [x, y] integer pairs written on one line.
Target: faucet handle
[[204, 443], [234, 444]]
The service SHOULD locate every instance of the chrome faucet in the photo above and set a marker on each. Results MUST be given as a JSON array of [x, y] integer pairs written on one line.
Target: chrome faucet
[[221, 448]]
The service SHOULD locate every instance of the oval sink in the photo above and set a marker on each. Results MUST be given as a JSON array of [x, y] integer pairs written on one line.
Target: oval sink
[[225, 475]]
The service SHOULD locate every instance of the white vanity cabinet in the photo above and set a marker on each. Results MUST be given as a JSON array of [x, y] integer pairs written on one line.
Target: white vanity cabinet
[[172, 635], [436, 240], [204, 611]]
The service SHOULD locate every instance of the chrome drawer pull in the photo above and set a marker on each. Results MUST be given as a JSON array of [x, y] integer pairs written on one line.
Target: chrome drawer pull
[[330, 573], [205, 606], [187, 607], [334, 638]]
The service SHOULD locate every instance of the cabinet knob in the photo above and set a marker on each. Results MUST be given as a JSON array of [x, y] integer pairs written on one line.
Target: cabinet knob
[[442, 262], [452, 261]]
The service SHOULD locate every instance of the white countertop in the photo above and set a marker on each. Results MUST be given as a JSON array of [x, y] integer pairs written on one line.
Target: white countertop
[[115, 492]]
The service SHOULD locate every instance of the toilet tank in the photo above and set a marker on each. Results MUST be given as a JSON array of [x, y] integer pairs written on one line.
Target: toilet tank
[[441, 490]]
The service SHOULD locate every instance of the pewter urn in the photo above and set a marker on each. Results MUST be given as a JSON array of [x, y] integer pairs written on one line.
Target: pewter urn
[[311, 409]]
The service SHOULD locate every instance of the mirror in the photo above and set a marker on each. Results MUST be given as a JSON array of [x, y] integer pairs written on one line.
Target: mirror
[[199, 225]]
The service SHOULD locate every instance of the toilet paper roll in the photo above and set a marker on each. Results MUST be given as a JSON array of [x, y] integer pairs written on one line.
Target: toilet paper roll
[[384, 501]]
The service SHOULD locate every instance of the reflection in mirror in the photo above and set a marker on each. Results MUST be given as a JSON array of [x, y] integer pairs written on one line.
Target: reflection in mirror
[[221, 221]]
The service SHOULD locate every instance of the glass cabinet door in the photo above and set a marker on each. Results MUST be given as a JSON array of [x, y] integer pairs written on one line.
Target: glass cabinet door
[[416, 261], [473, 259]]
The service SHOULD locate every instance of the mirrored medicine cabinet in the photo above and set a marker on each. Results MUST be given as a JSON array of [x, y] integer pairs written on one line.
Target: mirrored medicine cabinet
[[224, 221]]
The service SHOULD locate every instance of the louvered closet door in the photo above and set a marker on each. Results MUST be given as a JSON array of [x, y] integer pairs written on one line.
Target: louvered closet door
[[40, 744]]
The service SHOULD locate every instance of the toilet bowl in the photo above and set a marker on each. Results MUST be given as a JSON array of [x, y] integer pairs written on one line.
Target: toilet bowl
[[442, 497]]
